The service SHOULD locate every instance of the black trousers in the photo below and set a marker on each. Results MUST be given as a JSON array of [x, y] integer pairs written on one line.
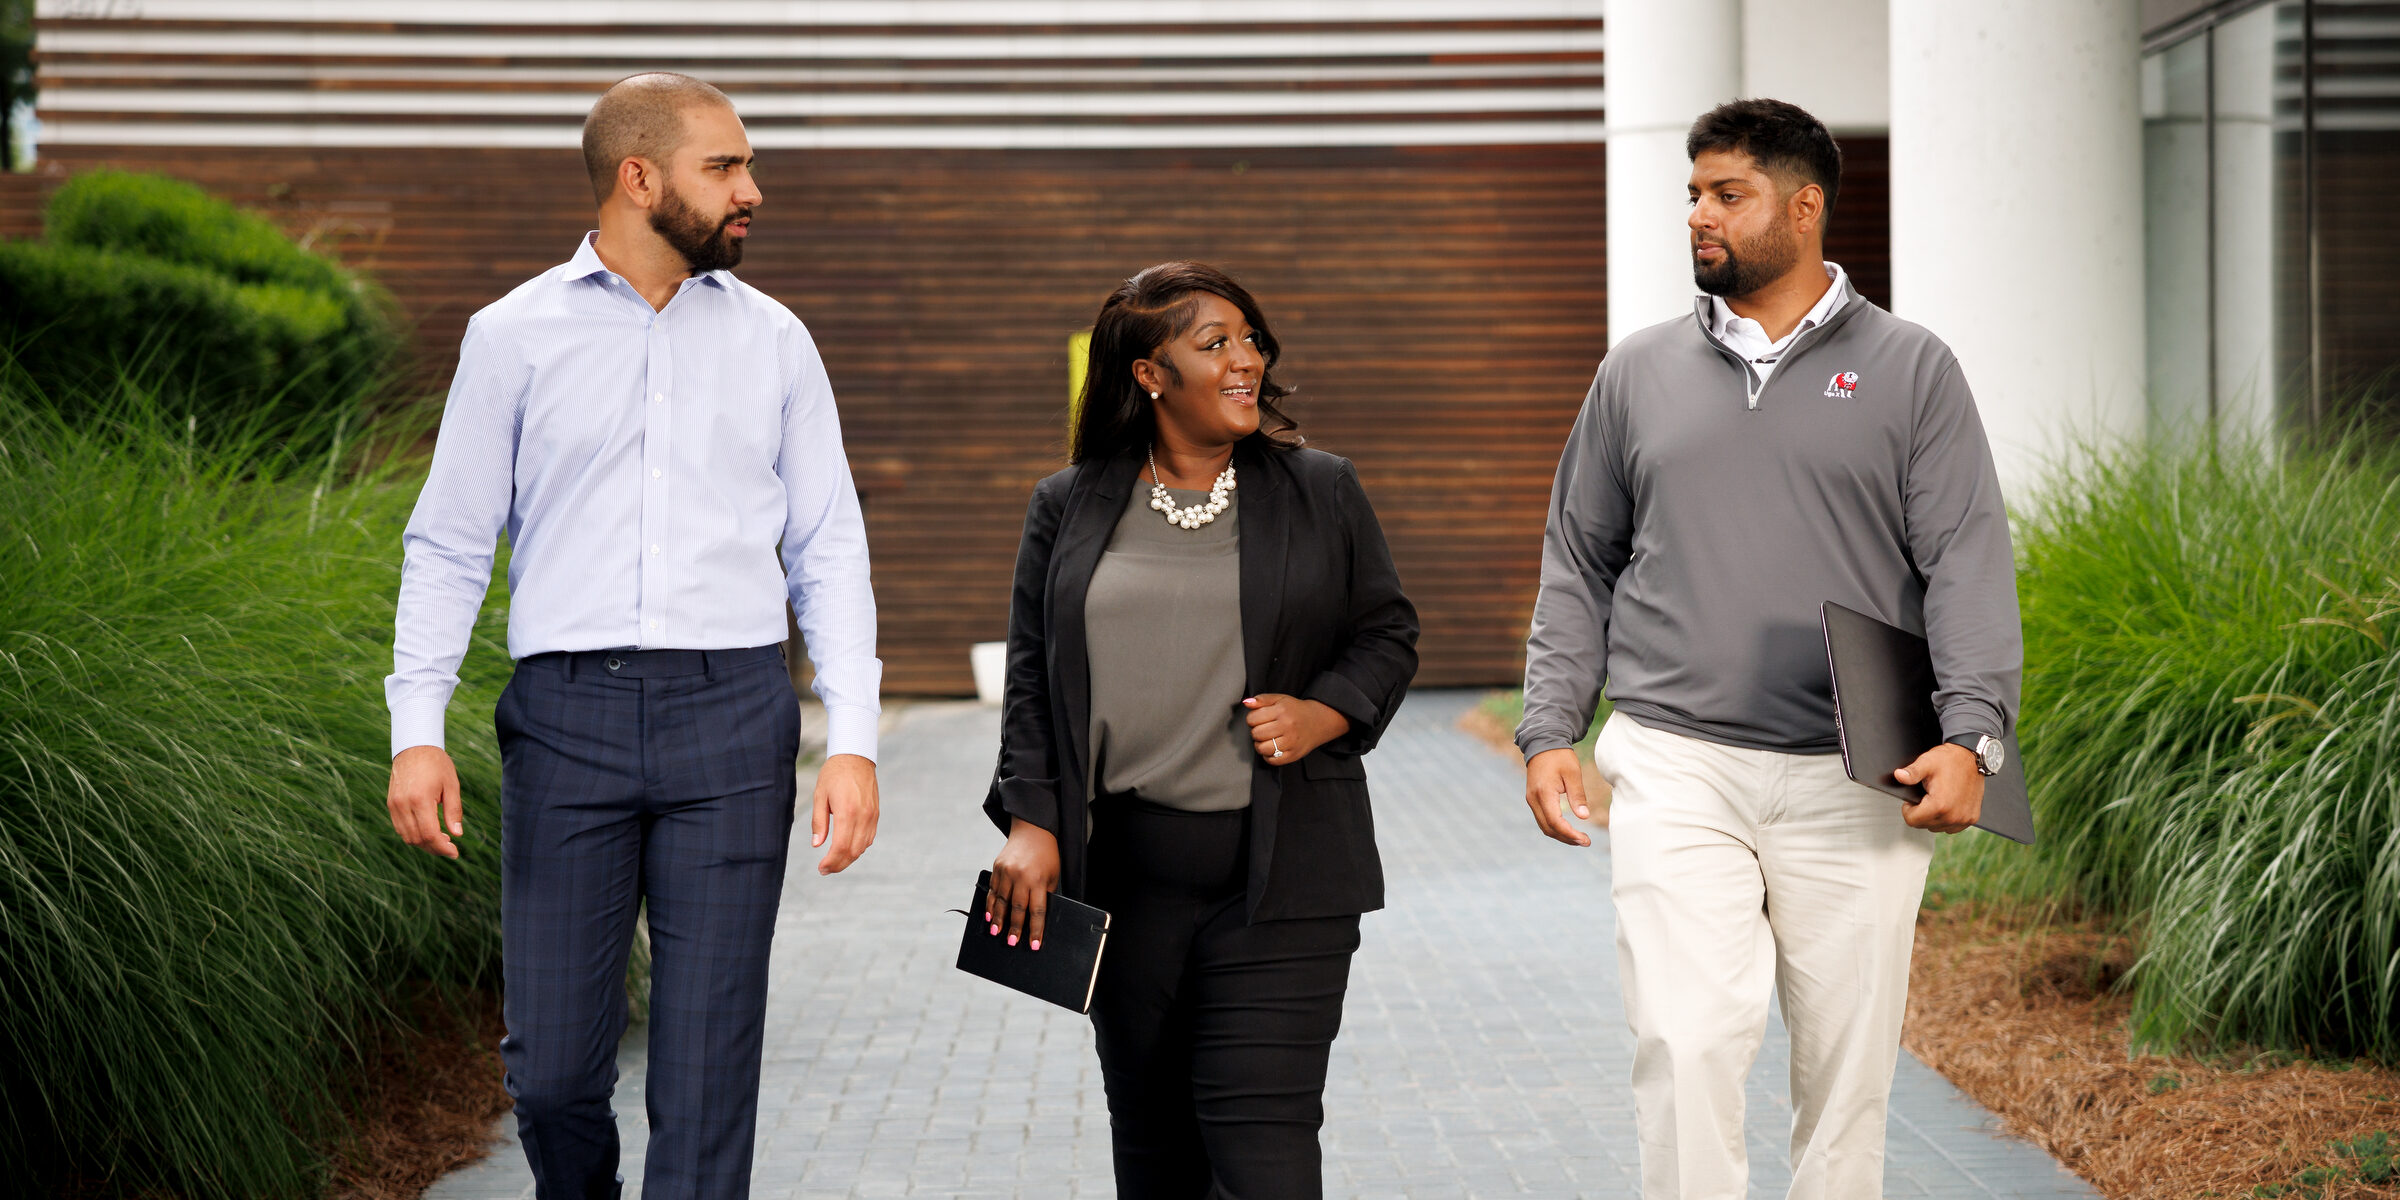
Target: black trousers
[[1214, 1033]]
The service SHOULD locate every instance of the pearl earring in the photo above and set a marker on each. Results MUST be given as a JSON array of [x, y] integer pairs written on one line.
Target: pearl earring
[[1154, 395]]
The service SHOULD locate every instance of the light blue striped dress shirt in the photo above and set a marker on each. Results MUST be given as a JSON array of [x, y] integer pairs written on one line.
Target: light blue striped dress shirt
[[647, 465]]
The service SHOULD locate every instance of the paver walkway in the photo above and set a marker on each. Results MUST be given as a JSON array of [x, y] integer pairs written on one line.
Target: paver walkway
[[1483, 1054]]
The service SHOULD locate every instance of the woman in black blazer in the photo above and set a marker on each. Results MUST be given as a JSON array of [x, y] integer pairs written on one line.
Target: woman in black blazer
[[1206, 636]]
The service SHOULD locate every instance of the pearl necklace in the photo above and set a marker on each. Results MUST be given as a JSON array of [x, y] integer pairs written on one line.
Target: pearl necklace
[[1219, 499]]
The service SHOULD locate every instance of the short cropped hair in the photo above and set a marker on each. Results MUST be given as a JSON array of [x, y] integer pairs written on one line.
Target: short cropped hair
[[1783, 139], [640, 117]]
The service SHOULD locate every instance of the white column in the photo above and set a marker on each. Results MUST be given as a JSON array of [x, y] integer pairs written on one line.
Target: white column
[[1668, 62], [2017, 231], [1831, 57]]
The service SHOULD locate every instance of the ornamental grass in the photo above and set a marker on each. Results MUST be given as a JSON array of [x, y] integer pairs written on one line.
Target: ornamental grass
[[2211, 712], [204, 915]]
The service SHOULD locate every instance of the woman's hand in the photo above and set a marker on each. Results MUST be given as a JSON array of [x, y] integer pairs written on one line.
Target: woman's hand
[[1284, 729], [1022, 879]]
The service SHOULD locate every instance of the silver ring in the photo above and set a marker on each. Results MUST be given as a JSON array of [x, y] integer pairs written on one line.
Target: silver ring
[[1278, 744]]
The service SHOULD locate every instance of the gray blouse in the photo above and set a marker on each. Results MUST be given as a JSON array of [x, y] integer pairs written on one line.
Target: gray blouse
[[1163, 619]]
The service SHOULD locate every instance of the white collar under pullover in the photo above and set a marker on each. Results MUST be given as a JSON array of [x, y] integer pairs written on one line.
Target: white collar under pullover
[[1748, 338]]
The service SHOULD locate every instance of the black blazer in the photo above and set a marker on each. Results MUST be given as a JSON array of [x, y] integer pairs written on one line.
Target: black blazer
[[1322, 619]]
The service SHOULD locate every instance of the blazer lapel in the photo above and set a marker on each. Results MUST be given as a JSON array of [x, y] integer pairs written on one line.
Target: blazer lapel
[[1260, 499], [1258, 491], [1091, 516]]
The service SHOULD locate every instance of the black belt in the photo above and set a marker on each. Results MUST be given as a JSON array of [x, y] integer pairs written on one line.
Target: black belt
[[652, 664]]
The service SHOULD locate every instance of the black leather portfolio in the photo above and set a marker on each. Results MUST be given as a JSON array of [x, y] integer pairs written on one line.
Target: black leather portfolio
[[1883, 689], [1061, 972]]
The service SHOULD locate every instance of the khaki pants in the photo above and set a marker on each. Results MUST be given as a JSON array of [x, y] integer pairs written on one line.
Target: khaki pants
[[1736, 870]]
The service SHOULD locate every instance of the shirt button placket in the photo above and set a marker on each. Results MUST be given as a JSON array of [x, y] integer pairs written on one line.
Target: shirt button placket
[[657, 431]]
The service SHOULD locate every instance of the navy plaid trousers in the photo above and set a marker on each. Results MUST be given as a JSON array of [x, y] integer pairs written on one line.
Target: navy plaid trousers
[[666, 779]]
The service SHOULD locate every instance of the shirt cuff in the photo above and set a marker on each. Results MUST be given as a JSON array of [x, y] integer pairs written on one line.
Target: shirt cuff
[[418, 722], [1966, 715], [1540, 732], [1033, 800], [1542, 743], [1336, 692], [850, 729]]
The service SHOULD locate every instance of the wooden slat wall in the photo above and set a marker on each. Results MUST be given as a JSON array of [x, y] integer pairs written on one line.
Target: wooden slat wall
[[1442, 310], [1099, 73]]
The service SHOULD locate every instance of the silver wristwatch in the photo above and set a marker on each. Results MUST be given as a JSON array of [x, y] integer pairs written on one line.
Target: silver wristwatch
[[1989, 754]]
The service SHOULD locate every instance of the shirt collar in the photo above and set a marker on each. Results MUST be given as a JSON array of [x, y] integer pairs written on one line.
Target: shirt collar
[[586, 263], [1722, 316]]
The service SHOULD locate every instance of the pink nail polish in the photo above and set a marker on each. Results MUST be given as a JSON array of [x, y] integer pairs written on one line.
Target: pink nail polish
[[995, 931], [1012, 939], [1037, 945], [987, 917]]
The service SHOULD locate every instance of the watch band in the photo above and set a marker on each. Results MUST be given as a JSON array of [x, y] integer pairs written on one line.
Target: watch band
[[1972, 743]]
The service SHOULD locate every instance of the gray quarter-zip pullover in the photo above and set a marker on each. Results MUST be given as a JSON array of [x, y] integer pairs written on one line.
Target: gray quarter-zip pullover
[[1701, 516]]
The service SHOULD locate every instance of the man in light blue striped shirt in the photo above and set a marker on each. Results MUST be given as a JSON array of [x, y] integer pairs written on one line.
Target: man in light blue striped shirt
[[651, 432]]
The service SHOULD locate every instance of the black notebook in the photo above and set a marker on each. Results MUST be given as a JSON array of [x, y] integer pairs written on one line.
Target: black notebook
[[1061, 972], [1883, 689]]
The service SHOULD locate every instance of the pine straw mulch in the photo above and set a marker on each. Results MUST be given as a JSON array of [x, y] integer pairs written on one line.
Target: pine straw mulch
[[2026, 1020], [426, 1100]]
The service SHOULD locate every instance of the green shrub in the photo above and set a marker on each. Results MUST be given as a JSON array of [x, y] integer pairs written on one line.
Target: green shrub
[[78, 319], [169, 219], [202, 903], [2209, 749], [153, 279]]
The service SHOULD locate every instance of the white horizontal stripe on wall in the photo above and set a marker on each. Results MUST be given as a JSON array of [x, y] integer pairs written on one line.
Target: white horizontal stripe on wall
[[969, 137], [834, 104], [568, 43], [1390, 74], [815, 12]]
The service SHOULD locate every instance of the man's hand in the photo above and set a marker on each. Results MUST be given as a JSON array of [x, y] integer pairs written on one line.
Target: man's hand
[[846, 808], [1553, 783], [1283, 729], [1953, 789], [1022, 879], [424, 800]]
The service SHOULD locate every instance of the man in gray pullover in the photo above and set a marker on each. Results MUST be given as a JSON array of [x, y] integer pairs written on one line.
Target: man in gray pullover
[[1786, 444]]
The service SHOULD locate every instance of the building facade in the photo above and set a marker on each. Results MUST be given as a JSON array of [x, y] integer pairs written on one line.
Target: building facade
[[1412, 187], [2129, 217]]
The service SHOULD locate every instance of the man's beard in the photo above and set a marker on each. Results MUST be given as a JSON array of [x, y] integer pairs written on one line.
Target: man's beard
[[1758, 264], [701, 240]]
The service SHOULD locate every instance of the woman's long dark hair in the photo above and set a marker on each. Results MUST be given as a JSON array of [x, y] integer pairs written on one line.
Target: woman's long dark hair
[[1145, 312]]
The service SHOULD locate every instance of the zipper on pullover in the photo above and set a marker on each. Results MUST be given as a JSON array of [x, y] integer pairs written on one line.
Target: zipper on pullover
[[1754, 383]]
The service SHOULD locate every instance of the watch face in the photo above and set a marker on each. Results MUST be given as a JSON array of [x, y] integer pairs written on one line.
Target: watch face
[[1994, 754]]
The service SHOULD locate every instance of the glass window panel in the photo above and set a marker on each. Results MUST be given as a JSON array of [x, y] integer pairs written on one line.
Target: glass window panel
[[2357, 173], [2175, 195], [2229, 289]]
